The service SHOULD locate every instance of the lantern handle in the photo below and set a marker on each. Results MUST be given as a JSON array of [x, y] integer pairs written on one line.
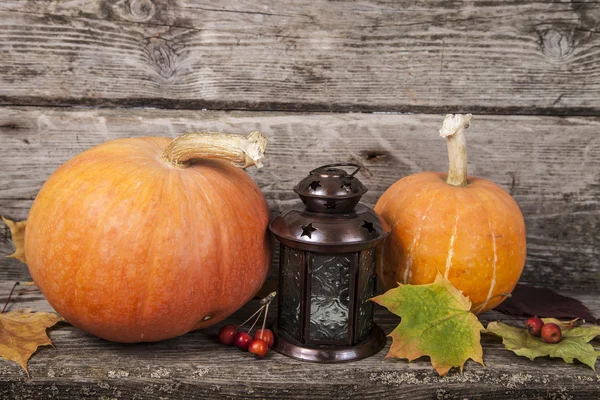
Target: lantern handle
[[357, 166]]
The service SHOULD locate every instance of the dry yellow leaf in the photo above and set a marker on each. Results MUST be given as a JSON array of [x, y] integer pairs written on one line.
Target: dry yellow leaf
[[17, 231], [22, 332]]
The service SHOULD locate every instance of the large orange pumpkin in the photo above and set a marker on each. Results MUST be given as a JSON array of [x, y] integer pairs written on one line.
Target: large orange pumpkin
[[135, 243], [468, 229]]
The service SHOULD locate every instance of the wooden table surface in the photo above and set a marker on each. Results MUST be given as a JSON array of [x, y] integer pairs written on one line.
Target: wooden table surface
[[196, 365]]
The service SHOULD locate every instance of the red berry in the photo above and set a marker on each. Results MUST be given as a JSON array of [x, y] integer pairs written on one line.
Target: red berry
[[259, 348], [242, 340], [534, 326], [266, 335], [227, 334], [551, 333]]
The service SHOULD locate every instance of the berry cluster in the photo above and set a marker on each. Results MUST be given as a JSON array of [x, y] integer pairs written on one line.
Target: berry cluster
[[550, 333], [263, 339]]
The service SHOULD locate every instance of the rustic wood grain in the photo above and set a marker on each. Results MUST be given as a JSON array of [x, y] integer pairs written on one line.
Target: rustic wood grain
[[429, 56], [551, 165], [197, 366]]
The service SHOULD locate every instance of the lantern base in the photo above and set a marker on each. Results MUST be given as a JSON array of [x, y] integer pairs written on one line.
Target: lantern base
[[370, 345]]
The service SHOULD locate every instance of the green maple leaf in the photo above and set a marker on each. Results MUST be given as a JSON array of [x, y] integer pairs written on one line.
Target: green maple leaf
[[436, 322], [573, 345]]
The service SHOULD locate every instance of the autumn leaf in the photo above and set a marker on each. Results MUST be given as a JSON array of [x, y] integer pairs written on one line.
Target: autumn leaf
[[586, 333], [573, 345], [436, 322], [22, 332], [17, 231], [564, 325], [529, 301]]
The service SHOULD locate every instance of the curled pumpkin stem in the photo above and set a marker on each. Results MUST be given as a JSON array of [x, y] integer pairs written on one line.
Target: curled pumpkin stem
[[453, 129], [241, 151]]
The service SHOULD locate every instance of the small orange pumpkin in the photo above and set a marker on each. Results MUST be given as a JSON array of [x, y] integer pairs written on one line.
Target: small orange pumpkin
[[467, 228], [133, 242]]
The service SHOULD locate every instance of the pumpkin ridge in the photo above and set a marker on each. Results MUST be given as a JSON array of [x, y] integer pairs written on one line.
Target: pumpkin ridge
[[101, 164], [215, 227], [150, 274], [498, 193], [186, 181], [418, 194], [494, 248], [220, 246], [250, 185], [398, 208], [416, 238], [253, 191], [399, 189], [501, 195], [156, 180], [452, 237]]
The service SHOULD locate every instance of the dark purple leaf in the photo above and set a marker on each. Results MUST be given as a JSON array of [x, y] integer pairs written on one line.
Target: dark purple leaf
[[529, 301]]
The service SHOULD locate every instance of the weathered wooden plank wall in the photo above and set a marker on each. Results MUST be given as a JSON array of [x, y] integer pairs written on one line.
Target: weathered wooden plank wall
[[515, 56], [551, 165], [502, 57]]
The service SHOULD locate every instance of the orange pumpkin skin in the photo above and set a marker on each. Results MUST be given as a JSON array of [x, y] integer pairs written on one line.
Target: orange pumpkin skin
[[474, 235], [131, 249]]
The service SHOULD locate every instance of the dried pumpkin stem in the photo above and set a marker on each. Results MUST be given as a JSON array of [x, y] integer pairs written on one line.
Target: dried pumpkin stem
[[453, 129], [241, 151]]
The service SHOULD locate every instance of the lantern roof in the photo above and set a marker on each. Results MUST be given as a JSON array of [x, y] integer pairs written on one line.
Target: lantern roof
[[331, 190], [330, 218]]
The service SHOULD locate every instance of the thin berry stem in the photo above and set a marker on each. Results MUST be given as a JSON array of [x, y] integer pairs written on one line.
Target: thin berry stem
[[9, 297], [252, 316], [257, 318], [28, 291], [265, 318]]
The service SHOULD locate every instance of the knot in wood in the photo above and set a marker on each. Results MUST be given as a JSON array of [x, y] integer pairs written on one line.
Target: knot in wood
[[555, 44], [136, 10], [162, 56]]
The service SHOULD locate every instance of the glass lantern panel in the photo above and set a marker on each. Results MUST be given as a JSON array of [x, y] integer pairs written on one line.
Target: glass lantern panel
[[365, 290], [291, 291], [330, 296]]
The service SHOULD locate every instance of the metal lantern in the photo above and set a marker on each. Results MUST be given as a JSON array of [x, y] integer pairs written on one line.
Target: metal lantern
[[327, 270]]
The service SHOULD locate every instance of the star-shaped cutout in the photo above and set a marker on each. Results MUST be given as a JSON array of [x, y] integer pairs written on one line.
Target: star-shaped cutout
[[368, 226], [314, 185], [330, 205], [347, 186], [308, 230]]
